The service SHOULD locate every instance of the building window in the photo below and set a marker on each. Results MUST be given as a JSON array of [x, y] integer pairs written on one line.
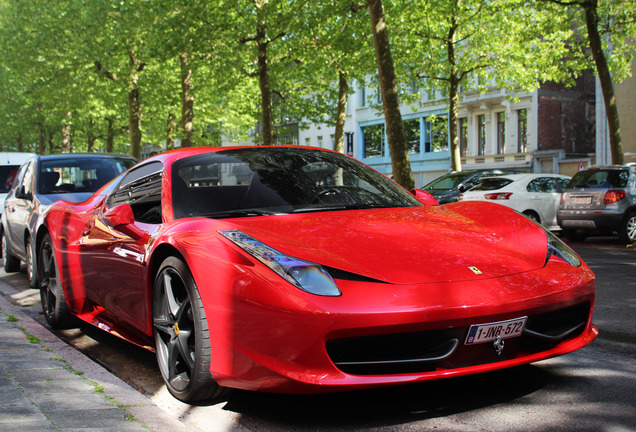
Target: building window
[[413, 134], [522, 130], [320, 141], [363, 96], [436, 136], [481, 135], [373, 137], [307, 142], [501, 132], [463, 136]]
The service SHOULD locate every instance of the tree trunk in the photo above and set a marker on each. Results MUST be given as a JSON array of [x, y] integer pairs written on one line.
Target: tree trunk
[[42, 141], [20, 144], [90, 135], [605, 77], [343, 90], [171, 128], [134, 107], [51, 142], [400, 163], [187, 100], [110, 135], [66, 134], [266, 91], [453, 97]]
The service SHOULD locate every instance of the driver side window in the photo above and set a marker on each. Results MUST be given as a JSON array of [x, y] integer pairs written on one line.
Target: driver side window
[[141, 189]]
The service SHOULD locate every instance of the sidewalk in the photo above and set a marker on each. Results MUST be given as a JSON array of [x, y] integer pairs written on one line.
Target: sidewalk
[[46, 385]]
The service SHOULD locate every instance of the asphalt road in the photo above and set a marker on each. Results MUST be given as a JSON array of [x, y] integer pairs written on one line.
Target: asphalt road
[[593, 389]]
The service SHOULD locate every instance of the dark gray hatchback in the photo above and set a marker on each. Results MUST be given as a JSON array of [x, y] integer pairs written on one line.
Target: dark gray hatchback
[[600, 200]]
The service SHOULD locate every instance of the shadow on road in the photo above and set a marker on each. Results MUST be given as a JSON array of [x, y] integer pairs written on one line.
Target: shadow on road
[[391, 406]]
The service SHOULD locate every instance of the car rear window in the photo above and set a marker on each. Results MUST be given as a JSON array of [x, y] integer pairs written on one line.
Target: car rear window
[[488, 184], [600, 179], [446, 182]]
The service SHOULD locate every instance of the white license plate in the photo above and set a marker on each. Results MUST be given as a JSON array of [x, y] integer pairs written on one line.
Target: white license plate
[[582, 201], [480, 333]]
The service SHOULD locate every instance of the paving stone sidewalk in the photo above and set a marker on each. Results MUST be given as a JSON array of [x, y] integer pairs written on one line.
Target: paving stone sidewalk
[[46, 385]]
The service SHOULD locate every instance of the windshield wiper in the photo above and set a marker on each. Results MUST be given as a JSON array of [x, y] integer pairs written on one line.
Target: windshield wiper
[[336, 207], [241, 213]]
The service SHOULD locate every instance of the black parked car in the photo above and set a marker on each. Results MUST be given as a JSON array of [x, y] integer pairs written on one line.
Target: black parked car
[[446, 189], [41, 181]]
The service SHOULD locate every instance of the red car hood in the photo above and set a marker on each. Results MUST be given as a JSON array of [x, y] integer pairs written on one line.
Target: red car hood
[[454, 242]]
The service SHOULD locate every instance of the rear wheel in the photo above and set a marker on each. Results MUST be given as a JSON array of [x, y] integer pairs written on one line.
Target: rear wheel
[[11, 262], [32, 271], [532, 216], [182, 341], [627, 234], [54, 305]]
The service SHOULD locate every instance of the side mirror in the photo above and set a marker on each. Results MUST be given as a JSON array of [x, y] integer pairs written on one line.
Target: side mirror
[[121, 218], [22, 193], [424, 197], [461, 187]]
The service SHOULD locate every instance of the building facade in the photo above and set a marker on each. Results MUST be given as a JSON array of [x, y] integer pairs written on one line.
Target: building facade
[[550, 130]]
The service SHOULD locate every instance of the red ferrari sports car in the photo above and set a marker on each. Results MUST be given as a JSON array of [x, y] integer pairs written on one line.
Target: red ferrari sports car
[[300, 270]]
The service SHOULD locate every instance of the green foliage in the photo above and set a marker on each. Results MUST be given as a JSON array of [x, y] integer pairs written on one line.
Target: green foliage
[[69, 62]]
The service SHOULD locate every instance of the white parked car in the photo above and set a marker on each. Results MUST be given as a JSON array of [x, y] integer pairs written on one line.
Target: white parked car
[[535, 195], [9, 164]]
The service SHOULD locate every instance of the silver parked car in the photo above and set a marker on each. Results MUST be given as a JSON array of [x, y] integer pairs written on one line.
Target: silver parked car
[[600, 200]]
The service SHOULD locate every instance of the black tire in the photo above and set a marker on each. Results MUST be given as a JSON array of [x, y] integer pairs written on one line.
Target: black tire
[[32, 269], [182, 340], [11, 262], [575, 235], [627, 233], [532, 216], [56, 311]]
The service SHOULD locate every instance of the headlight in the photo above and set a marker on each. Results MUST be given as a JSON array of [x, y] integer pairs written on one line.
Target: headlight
[[557, 248], [305, 275]]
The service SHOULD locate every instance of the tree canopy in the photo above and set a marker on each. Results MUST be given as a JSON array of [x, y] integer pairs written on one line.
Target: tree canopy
[[113, 76]]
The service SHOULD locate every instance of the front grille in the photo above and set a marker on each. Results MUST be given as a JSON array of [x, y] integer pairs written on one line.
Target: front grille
[[431, 350]]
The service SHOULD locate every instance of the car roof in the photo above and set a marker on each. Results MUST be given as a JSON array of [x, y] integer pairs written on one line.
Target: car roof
[[84, 156], [515, 177]]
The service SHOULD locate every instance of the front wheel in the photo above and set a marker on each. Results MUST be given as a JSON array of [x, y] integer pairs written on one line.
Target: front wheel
[[56, 311], [182, 341], [627, 234]]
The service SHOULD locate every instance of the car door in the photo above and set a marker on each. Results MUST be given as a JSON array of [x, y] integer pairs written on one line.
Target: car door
[[19, 207], [114, 253], [545, 194]]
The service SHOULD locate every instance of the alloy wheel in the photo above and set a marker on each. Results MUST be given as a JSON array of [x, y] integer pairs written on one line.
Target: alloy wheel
[[174, 324]]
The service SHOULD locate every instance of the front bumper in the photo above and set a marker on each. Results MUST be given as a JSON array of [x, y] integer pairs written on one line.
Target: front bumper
[[267, 337]]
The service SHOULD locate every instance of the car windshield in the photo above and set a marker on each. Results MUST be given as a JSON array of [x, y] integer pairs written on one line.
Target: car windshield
[[79, 174], [447, 182], [600, 179], [488, 184], [260, 181], [7, 175]]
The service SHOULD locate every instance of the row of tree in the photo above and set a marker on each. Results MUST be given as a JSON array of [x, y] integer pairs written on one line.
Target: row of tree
[[81, 75]]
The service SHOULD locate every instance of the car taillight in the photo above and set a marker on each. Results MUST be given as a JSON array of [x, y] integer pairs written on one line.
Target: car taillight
[[613, 196], [498, 195]]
